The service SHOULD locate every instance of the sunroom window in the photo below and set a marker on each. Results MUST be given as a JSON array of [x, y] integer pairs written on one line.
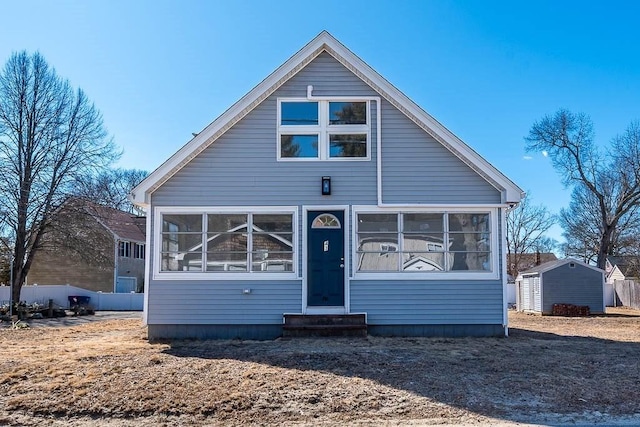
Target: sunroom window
[[227, 242], [323, 130], [423, 242]]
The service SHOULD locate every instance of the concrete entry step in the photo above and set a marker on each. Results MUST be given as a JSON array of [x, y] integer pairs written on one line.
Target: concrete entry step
[[324, 325]]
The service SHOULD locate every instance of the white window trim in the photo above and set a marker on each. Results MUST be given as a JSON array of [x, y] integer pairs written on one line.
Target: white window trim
[[137, 248], [215, 275], [323, 129], [494, 274], [125, 249]]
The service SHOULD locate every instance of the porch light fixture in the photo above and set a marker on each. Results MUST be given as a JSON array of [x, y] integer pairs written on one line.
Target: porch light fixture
[[326, 185]]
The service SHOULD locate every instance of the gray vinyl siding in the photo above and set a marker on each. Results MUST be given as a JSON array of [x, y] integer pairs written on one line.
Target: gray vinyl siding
[[223, 302], [578, 286], [403, 302], [418, 169]]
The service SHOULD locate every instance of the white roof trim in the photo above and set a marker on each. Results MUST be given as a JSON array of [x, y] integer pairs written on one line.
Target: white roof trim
[[324, 42]]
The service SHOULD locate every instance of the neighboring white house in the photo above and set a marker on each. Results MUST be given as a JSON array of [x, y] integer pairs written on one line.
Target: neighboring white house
[[622, 268], [325, 190]]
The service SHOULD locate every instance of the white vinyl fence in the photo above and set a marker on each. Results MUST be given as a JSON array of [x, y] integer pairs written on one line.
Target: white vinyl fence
[[60, 295], [511, 293], [609, 295]]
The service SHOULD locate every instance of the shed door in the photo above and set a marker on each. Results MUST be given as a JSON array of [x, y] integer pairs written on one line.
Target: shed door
[[325, 259], [526, 293], [536, 294]]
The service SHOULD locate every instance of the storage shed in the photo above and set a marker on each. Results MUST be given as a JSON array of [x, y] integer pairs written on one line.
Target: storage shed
[[565, 281]]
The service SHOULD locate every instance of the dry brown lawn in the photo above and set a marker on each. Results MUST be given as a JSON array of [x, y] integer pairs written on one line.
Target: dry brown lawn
[[551, 370]]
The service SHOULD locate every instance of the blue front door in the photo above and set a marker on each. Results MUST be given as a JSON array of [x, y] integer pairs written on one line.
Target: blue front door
[[325, 258]]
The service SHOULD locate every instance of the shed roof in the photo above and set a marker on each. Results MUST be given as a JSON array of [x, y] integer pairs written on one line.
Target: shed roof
[[542, 268], [324, 42]]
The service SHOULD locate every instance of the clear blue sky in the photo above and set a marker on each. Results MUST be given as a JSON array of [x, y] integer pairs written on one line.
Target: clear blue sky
[[160, 70]]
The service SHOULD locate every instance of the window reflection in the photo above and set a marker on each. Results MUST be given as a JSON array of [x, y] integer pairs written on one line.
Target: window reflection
[[423, 243], [348, 145], [347, 113], [232, 242], [299, 113], [299, 146]]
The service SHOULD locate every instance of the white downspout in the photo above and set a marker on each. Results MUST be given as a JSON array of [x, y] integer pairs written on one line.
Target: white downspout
[[379, 150], [147, 262], [505, 281]]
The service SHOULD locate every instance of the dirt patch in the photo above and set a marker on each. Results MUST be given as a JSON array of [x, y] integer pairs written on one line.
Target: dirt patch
[[550, 370], [74, 320]]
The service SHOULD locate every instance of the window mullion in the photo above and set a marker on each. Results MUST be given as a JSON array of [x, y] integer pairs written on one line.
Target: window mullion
[[400, 225], [323, 138], [249, 242], [299, 129], [348, 129], [445, 241], [204, 257]]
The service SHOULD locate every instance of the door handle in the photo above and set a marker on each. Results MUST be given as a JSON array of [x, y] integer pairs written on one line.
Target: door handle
[[341, 265]]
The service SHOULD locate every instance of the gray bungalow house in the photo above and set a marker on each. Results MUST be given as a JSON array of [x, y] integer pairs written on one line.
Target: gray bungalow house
[[325, 190]]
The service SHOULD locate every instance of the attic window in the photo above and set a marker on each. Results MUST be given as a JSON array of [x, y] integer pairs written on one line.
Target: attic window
[[323, 130], [572, 265]]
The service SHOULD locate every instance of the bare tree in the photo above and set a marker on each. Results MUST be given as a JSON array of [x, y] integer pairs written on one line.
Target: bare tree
[[526, 225], [111, 188], [581, 222], [546, 244], [581, 225], [76, 230], [49, 135], [612, 178]]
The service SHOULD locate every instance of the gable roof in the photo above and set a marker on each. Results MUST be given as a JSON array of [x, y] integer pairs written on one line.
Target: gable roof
[[324, 42], [123, 225], [628, 265], [542, 268]]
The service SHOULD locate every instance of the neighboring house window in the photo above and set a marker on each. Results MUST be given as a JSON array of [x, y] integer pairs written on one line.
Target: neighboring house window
[[424, 242], [138, 252], [323, 130], [227, 242], [125, 249]]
